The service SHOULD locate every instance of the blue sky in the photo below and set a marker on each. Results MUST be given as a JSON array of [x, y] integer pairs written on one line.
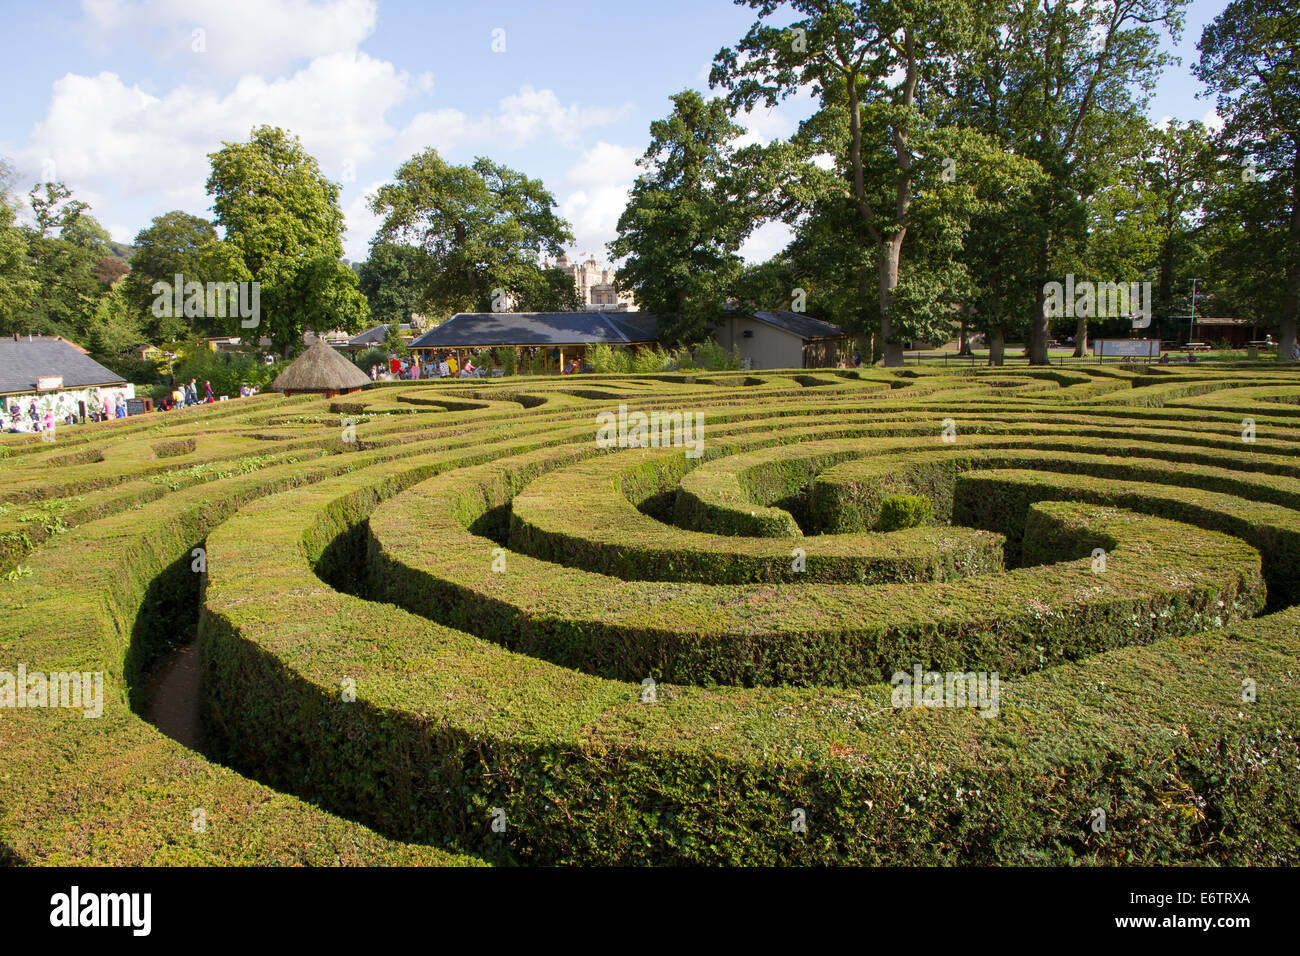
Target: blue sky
[[123, 99]]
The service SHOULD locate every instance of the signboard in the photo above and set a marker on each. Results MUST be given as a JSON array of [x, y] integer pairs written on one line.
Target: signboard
[[48, 382], [138, 406], [1128, 348]]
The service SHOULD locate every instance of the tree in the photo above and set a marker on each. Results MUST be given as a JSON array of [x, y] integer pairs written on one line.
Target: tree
[[114, 327], [394, 341], [177, 243], [56, 209], [881, 70], [1145, 219], [1244, 249], [684, 221], [1061, 82], [547, 290], [282, 216], [482, 229], [63, 266], [17, 287], [391, 280], [1250, 58]]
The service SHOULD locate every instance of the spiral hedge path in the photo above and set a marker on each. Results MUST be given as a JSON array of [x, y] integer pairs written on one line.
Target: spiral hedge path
[[443, 624]]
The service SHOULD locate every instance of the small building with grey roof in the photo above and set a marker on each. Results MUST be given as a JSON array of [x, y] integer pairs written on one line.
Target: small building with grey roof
[[56, 377], [781, 339]]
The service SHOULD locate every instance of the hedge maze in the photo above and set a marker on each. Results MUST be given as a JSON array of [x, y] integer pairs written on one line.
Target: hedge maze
[[441, 624]]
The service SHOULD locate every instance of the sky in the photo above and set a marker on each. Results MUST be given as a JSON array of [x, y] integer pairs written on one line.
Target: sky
[[123, 100]]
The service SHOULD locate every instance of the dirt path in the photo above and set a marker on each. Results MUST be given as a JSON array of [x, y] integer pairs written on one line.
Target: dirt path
[[173, 695]]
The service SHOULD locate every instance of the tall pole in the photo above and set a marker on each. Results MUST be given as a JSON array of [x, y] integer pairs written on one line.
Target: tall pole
[[1191, 328]]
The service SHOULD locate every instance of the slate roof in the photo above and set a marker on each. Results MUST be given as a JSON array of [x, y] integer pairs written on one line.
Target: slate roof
[[803, 326], [23, 362], [478, 329], [374, 336]]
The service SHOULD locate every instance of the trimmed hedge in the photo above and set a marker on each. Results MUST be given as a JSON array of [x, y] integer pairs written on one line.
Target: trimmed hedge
[[448, 728]]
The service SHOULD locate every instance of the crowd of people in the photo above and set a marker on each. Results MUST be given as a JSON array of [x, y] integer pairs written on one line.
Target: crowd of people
[[448, 365], [445, 366], [14, 418], [184, 395]]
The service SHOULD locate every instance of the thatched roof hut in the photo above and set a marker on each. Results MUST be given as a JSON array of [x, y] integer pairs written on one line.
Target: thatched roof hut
[[320, 370]]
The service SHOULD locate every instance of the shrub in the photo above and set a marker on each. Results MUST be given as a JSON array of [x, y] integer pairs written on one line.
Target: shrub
[[904, 511], [607, 360]]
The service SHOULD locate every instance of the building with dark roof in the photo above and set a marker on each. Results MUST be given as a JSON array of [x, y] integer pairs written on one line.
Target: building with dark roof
[[57, 377], [476, 330], [1238, 333], [780, 339], [372, 338], [562, 335]]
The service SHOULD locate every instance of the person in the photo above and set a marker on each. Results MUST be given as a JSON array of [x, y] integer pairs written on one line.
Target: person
[[207, 391], [468, 370], [192, 392], [108, 408], [119, 410], [1268, 340], [1164, 358], [178, 397], [394, 364], [1191, 357], [452, 367], [857, 359], [573, 367], [374, 373], [1295, 352], [444, 370], [49, 421]]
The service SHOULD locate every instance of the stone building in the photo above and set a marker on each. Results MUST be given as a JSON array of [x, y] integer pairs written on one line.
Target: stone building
[[595, 283]]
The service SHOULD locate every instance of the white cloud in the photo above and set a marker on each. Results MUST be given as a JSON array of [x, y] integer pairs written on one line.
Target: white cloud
[[100, 133], [231, 37], [1212, 120], [520, 119], [600, 181], [362, 224], [765, 242]]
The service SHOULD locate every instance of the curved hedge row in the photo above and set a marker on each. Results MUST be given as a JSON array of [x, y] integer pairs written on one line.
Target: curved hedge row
[[463, 735]]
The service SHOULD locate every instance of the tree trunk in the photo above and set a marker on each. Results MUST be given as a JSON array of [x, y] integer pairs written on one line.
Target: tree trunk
[[1041, 328], [964, 349], [1081, 337], [889, 253], [997, 345]]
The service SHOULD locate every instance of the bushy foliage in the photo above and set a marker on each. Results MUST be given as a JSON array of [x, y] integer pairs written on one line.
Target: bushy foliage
[[372, 356], [904, 511], [226, 371]]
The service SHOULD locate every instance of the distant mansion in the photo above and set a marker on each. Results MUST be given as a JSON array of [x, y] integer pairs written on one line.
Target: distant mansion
[[595, 283]]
